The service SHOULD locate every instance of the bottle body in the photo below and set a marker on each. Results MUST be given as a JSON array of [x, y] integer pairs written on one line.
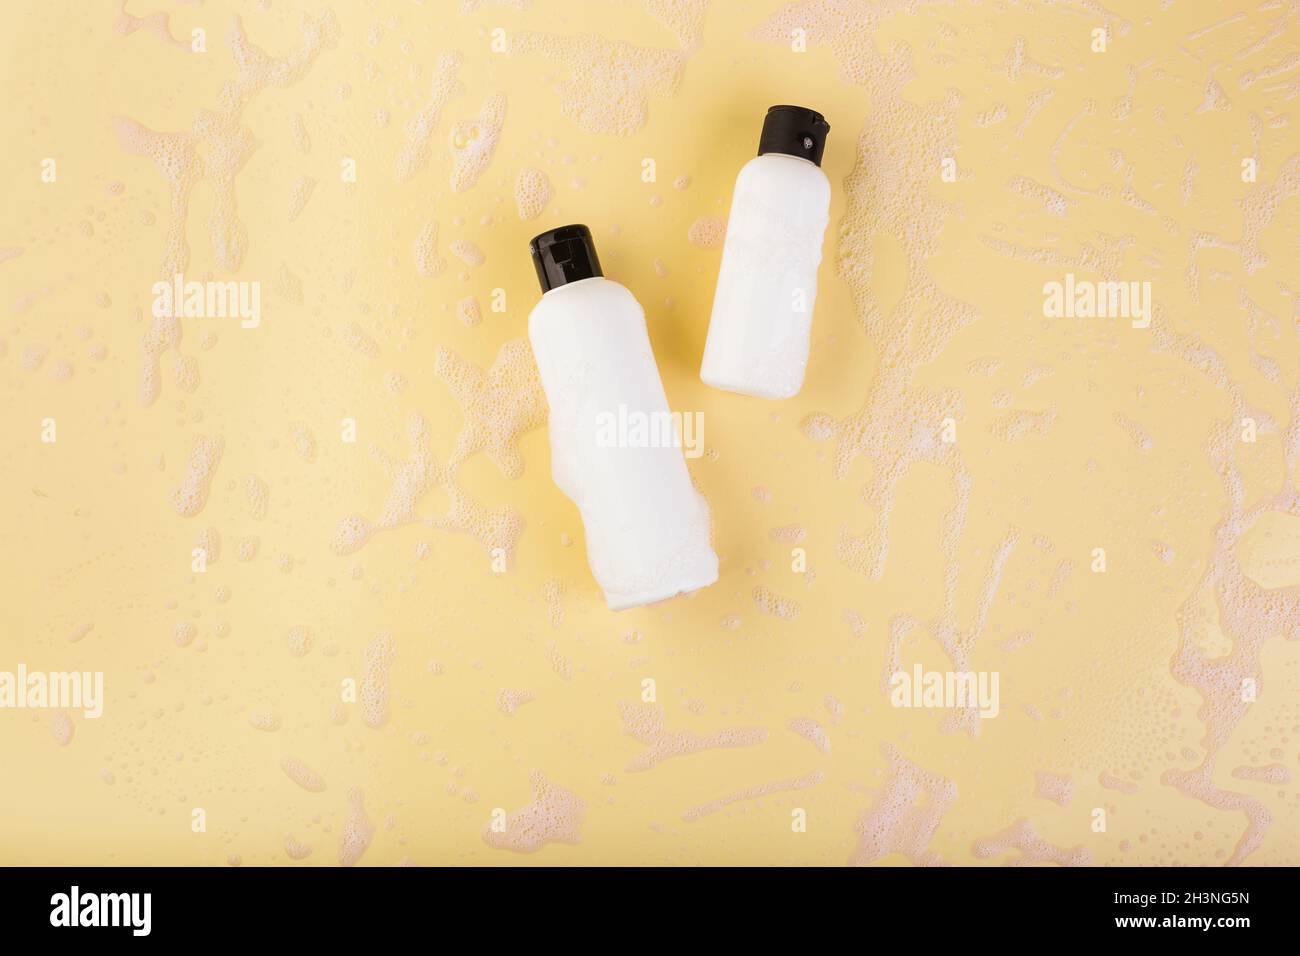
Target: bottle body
[[760, 330], [647, 527]]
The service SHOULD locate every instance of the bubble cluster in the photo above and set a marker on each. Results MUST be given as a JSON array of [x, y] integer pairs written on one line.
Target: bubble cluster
[[555, 815], [509, 701], [192, 494], [357, 832], [1029, 847], [1055, 787], [685, 18], [468, 253], [706, 232], [812, 732], [424, 250], [303, 442], [184, 633], [164, 334], [264, 720], [299, 193], [257, 496], [474, 142], [905, 815], [373, 691], [769, 602], [295, 849], [62, 727], [414, 154], [225, 142], [610, 82], [645, 723], [532, 193], [302, 775], [300, 640], [468, 312], [754, 793], [789, 534]]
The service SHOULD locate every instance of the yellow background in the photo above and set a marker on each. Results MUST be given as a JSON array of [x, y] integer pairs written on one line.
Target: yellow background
[[1072, 435]]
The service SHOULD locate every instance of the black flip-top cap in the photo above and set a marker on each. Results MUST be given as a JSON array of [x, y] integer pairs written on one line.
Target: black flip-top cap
[[564, 255], [795, 131]]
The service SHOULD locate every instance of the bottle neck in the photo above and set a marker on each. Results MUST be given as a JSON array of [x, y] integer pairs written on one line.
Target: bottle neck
[[571, 285], [798, 159]]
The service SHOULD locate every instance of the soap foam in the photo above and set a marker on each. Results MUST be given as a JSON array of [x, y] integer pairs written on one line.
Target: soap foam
[[414, 155], [811, 731], [358, 831], [192, 494], [555, 815], [302, 775], [754, 793], [374, 689], [905, 815], [532, 193], [474, 143], [610, 82], [645, 723], [1031, 849]]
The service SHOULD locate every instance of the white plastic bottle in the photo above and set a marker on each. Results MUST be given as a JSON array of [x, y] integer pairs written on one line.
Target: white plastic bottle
[[762, 311], [614, 450]]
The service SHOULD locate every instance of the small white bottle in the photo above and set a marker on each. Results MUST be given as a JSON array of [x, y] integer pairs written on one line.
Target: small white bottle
[[761, 327], [615, 448]]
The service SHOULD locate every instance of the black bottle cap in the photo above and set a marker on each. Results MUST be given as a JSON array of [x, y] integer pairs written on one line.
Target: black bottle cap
[[564, 255], [794, 131]]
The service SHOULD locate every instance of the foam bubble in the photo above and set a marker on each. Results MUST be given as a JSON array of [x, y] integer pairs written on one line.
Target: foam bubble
[[645, 723], [257, 495], [473, 143], [374, 689], [754, 793], [468, 312], [706, 232], [189, 498], [295, 849], [510, 700], [532, 193], [183, 633], [769, 602], [264, 720], [1032, 849], [1055, 787], [468, 253], [302, 775], [303, 442], [425, 252], [413, 156], [62, 727], [905, 815], [789, 534], [610, 82], [299, 193], [358, 831], [554, 816], [811, 731]]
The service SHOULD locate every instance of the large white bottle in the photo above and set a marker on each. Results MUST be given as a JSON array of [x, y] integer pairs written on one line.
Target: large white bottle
[[762, 311], [614, 448]]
